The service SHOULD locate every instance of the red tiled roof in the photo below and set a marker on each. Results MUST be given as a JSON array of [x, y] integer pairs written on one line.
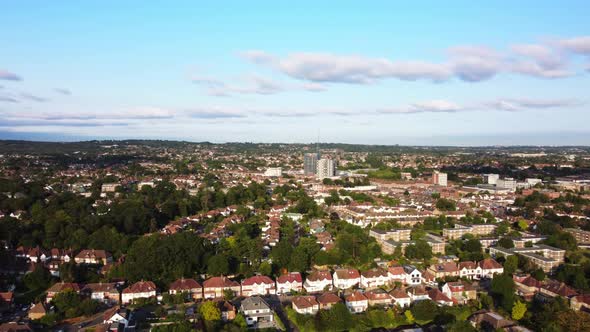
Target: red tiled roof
[[356, 296], [438, 296], [290, 278], [489, 264], [303, 302], [140, 287], [399, 293], [257, 280], [347, 274], [328, 298], [184, 284], [219, 282], [63, 286], [319, 275]]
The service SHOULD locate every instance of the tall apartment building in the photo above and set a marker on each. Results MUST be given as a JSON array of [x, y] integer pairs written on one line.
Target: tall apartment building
[[491, 178], [582, 236], [310, 163], [439, 178], [508, 183], [326, 168]]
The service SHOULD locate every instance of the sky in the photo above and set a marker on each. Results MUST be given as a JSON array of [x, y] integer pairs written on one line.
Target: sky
[[371, 72]]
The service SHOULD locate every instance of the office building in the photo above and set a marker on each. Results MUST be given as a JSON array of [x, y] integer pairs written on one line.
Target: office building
[[326, 168], [439, 178], [491, 178], [508, 183], [310, 163]]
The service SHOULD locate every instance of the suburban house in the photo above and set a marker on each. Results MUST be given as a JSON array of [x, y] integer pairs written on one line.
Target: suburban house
[[413, 275], [289, 282], [447, 269], [374, 278], [318, 281], [257, 312], [439, 297], [92, 256], [469, 269], [37, 311], [346, 278], [139, 290], [258, 285], [400, 297], [580, 302], [214, 287], [417, 293], [459, 291], [228, 310], [396, 274], [378, 297], [305, 304], [106, 292], [357, 302], [489, 268], [117, 318], [327, 300], [526, 286], [61, 255], [191, 287], [61, 287]]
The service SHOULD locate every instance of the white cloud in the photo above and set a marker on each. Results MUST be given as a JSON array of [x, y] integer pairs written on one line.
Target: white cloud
[[8, 76], [580, 45]]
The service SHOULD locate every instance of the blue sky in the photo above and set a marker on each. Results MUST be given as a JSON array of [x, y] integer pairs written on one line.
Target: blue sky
[[359, 72]]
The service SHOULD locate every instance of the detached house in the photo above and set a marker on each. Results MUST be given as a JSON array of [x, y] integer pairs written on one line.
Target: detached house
[[413, 275], [92, 256], [439, 297], [378, 297], [460, 292], [61, 287], [396, 274], [191, 287], [305, 305], [489, 268], [139, 290], [327, 300], [400, 297], [318, 281], [258, 285], [346, 278], [214, 287], [257, 312], [103, 292], [289, 282], [418, 293], [357, 302], [470, 270], [374, 278]]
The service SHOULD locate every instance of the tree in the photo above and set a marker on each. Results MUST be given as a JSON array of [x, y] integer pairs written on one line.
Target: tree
[[265, 269], [444, 204], [218, 265], [503, 290], [337, 318], [511, 264], [518, 310], [506, 242], [209, 311], [38, 279], [522, 225], [538, 274], [425, 310], [409, 317]]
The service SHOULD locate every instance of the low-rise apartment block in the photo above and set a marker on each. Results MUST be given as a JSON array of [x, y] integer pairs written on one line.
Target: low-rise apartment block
[[460, 230]]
